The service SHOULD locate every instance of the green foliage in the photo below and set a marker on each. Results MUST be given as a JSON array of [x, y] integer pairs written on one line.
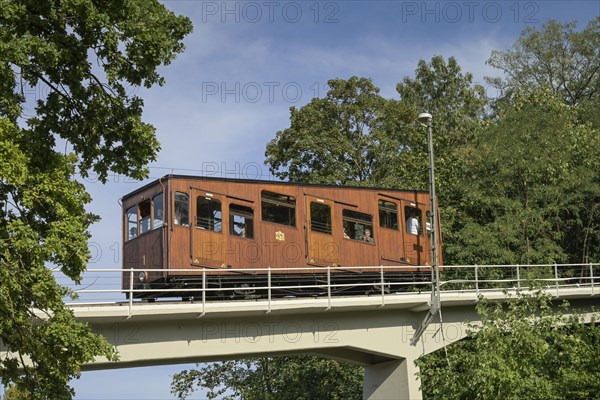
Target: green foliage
[[329, 140], [279, 378], [13, 393], [355, 136], [457, 106], [524, 348], [533, 179], [558, 57], [533, 187], [58, 44], [86, 55]]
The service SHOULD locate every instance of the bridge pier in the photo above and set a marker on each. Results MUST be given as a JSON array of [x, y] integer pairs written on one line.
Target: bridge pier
[[392, 380]]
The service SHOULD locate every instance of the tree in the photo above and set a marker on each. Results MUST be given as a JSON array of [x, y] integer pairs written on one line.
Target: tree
[[86, 54], [522, 349], [354, 136], [458, 107], [557, 57], [528, 188], [279, 378], [329, 140], [532, 187], [561, 63]]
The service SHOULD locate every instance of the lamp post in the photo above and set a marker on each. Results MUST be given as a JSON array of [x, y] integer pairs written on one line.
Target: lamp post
[[425, 120]]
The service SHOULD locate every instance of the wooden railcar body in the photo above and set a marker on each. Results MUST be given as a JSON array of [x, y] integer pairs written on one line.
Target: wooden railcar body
[[187, 222]]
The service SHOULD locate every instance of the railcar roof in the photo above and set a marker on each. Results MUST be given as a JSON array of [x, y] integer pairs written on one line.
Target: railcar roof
[[259, 181]]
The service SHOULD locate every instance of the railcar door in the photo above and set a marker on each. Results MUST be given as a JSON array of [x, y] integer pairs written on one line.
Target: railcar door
[[322, 248], [209, 245], [390, 231], [416, 249]]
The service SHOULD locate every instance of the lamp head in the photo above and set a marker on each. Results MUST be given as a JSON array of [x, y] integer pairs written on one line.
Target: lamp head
[[424, 118]]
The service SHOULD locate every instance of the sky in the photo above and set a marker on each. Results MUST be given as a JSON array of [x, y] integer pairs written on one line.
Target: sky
[[248, 62]]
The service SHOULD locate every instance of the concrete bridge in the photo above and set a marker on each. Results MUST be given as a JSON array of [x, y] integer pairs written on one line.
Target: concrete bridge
[[373, 331]]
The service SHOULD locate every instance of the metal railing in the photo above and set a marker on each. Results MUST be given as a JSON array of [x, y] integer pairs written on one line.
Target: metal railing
[[103, 286]]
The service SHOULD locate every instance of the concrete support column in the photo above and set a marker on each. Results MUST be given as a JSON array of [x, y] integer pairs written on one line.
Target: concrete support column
[[392, 380]]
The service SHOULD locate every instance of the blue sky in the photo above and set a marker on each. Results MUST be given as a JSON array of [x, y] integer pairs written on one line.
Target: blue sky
[[248, 62]]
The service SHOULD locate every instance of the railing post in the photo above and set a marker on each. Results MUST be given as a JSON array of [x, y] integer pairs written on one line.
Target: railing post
[[476, 280], [269, 289], [592, 277], [518, 278], [328, 287], [130, 292], [203, 291], [556, 278], [382, 287]]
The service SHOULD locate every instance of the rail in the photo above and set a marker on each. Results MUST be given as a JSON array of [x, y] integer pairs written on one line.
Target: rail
[[103, 286]]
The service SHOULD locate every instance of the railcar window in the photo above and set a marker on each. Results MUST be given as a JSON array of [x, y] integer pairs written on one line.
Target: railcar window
[[208, 214], [132, 227], [158, 211], [358, 226], [182, 209], [278, 208], [145, 220], [414, 220], [388, 215], [241, 221], [320, 217]]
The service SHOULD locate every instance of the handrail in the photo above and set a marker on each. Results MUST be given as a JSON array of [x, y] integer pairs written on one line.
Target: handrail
[[453, 278]]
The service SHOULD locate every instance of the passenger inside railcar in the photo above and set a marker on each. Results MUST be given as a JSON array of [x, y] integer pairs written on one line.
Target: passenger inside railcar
[[413, 225], [356, 224], [346, 236]]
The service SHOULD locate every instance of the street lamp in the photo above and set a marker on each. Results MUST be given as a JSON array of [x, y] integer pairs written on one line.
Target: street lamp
[[425, 120]]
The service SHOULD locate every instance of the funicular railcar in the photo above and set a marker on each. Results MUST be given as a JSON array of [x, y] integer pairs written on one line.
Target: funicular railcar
[[222, 226]]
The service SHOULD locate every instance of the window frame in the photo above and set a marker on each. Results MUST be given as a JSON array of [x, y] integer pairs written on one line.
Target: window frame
[[154, 210], [273, 199], [183, 222], [322, 227], [132, 224], [388, 212], [366, 223], [145, 223], [214, 221], [237, 210]]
